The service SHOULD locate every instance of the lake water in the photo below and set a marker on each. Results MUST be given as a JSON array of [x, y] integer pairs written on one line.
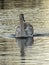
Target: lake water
[[38, 53]]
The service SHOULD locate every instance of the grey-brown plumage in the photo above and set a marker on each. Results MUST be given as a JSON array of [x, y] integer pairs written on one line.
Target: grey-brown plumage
[[24, 29]]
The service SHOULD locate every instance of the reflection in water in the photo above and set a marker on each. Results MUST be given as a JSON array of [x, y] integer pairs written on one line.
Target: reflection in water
[[23, 43]]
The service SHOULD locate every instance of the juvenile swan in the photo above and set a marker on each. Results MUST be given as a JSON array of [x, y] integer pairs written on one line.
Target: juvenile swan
[[23, 29]]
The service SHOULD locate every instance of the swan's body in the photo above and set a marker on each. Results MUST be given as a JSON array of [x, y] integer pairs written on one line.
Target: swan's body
[[28, 30]]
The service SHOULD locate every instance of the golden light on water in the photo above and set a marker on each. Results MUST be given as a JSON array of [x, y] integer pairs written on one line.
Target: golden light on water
[[38, 16]]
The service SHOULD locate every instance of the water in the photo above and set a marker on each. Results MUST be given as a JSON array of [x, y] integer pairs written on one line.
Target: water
[[38, 53], [4, 4]]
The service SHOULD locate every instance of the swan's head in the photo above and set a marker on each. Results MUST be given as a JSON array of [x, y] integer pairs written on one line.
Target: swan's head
[[21, 16]]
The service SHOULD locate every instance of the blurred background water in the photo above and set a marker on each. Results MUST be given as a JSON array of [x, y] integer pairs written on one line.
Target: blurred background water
[[36, 13]]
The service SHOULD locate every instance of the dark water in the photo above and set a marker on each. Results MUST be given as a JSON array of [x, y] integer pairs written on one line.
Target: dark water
[[4, 4]]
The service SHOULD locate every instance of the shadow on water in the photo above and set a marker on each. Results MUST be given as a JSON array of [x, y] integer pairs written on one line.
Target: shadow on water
[[23, 43], [2, 4], [19, 3]]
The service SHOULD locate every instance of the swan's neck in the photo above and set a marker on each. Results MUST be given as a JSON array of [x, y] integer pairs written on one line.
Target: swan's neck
[[22, 25]]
